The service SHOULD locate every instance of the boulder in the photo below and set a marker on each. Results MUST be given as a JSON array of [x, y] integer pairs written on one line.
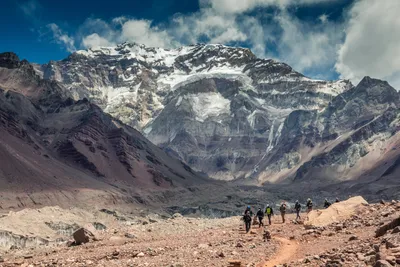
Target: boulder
[[337, 212], [82, 236], [386, 227]]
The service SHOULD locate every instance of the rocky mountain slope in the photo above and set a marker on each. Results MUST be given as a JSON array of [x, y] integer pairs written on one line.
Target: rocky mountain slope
[[220, 109], [55, 150], [231, 115]]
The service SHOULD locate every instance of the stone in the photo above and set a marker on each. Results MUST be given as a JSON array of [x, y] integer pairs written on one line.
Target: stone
[[117, 241], [140, 255], [382, 263], [130, 236], [239, 245], [386, 227], [221, 254], [82, 236], [396, 230], [353, 237]]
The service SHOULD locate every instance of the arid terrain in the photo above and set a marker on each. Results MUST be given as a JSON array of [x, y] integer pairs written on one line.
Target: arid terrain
[[346, 234]]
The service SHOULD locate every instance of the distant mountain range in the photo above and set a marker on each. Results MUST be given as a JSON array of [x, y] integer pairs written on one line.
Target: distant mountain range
[[231, 115]]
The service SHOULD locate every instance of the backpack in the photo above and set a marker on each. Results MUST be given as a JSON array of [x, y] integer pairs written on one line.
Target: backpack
[[268, 211]]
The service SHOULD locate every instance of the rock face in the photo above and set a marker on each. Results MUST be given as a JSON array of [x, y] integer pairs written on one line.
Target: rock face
[[337, 212], [54, 150], [220, 109]]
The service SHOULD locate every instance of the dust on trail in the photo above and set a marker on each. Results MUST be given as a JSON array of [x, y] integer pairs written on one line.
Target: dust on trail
[[285, 252]]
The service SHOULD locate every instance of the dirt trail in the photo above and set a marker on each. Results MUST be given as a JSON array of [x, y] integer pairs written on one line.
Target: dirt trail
[[286, 250]]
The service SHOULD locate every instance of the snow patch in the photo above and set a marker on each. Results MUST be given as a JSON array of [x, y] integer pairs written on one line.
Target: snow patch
[[207, 105]]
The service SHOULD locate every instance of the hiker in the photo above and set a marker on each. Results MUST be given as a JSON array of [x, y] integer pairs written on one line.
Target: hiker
[[309, 205], [337, 200], [297, 208], [247, 219], [326, 204], [260, 216], [283, 211], [269, 211], [249, 210]]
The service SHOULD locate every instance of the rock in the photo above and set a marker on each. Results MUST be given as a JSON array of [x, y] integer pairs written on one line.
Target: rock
[[396, 230], [28, 256], [337, 212], [1, 259], [353, 237], [221, 254], [239, 245], [116, 253], [130, 236], [391, 260], [386, 227], [382, 202], [140, 255], [339, 227], [145, 223], [370, 260], [392, 241], [82, 236], [360, 257], [116, 241], [382, 263]]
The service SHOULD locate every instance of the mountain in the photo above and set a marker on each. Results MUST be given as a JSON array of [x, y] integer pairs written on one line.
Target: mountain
[[220, 109], [55, 150]]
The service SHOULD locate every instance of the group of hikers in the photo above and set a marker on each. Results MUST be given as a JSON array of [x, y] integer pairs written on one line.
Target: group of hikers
[[248, 213]]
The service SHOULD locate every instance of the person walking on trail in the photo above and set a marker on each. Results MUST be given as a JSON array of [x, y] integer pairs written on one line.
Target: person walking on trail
[[260, 216], [247, 220], [297, 208], [269, 211], [282, 209], [309, 205], [326, 204], [249, 210]]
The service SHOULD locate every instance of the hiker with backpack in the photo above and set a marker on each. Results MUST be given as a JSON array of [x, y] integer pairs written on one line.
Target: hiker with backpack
[[269, 211], [309, 205], [260, 216], [282, 209], [297, 208], [247, 220]]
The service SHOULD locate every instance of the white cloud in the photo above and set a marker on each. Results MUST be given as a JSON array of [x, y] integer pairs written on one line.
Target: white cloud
[[308, 47], [94, 40], [323, 18], [62, 38], [372, 43], [141, 31]]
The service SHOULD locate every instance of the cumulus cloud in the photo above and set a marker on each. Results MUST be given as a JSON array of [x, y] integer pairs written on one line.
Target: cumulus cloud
[[94, 40], [62, 38], [141, 31], [371, 46], [308, 47]]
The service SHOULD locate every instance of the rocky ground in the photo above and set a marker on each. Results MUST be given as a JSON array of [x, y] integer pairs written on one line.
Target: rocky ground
[[370, 236]]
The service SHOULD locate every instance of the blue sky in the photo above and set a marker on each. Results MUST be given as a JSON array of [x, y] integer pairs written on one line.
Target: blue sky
[[321, 38]]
